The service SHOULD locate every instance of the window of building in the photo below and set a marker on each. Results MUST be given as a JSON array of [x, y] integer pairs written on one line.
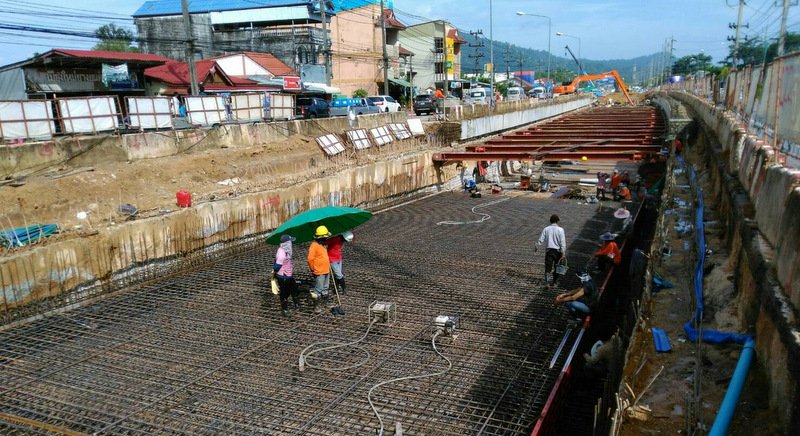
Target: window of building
[[439, 44], [439, 69]]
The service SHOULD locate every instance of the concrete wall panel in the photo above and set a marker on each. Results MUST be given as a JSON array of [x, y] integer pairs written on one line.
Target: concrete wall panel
[[770, 199], [491, 125], [787, 262]]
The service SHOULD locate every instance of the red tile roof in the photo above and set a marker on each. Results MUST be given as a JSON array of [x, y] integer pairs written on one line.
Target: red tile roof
[[110, 55], [392, 21], [453, 34], [406, 52], [271, 63], [177, 73]]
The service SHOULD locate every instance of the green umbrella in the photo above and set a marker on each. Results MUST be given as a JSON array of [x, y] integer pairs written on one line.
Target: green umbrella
[[337, 219]]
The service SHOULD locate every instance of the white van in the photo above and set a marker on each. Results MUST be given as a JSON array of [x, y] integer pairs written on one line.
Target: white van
[[514, 93], [538, 92], [478, 96]]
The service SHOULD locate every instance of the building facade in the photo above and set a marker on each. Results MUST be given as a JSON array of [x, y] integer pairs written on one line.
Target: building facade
[[289, 29], [436, 46], [357, 50]]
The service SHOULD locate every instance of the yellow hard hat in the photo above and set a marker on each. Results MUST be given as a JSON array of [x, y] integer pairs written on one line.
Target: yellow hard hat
[[322, 232]]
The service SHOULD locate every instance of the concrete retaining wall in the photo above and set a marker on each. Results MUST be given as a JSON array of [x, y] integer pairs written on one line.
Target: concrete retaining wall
[[478, 127], [20, 159], [760, 201]]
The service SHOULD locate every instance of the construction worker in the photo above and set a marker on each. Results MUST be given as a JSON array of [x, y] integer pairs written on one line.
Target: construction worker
[[623, 193], [580, 301], [438, 97], [283, 270], [334, 245], [608, 255], [616, 179], [554, 240], [320, 266]]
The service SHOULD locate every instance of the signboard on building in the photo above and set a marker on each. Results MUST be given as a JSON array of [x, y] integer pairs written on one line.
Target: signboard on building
[[450, 50], [79, 80], [291, 83]]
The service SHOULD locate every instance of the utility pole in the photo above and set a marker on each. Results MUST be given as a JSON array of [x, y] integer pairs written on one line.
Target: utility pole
[[508, 59], [187, 25], [671, 50], [327, 48], [477, 55], [521, 61], [444, 70], [491, 59], [385, 56], [782, 36], [737, 26]]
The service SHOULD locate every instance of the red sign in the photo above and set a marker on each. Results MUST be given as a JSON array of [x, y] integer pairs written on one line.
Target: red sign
[[291, 84]]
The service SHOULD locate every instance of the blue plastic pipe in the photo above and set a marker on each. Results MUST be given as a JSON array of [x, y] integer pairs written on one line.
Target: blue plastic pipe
[[731, 400]]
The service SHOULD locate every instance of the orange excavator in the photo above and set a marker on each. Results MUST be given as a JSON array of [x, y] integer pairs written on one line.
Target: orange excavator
[[571, 87]]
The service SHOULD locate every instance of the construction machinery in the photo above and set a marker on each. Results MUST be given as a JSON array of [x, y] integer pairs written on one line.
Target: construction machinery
[[571, 87]]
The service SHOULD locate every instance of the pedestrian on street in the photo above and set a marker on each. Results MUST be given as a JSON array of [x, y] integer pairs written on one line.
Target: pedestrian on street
[[608, 255], [320, 266], [283, 271], [582, 300], [624, 194], [554, 240], [334, 245]]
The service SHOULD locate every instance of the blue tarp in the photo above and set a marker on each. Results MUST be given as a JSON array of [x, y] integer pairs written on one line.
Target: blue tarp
[[26, 235], [661, 341], [710, 336]]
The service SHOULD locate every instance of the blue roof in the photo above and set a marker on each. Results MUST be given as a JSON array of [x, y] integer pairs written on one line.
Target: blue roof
[[346, 5], [173, 7]]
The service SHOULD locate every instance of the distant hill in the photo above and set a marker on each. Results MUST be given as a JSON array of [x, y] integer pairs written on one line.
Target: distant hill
[[633, 71]]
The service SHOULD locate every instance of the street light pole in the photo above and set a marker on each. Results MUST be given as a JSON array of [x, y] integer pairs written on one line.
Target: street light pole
[[580, 62], [491, 60], [549, 29]]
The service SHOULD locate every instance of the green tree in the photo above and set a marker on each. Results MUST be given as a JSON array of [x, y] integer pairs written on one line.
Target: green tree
[[757, 50], [360, 92], [113, 38], [691, 64]]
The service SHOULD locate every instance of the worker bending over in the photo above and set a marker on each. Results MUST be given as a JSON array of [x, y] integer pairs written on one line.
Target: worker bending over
[[608, 255]]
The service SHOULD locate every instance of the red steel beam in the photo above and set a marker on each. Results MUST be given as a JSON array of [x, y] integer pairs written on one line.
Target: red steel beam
[[559, 147], [530, 155]]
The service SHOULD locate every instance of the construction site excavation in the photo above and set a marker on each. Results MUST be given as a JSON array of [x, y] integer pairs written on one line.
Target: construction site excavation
[[207, 351]]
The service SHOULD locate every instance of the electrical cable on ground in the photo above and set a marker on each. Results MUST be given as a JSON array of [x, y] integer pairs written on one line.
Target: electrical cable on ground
[[305, 354], [410, 377], [485, 217]]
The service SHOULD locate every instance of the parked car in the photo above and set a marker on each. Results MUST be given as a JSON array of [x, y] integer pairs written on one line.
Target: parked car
[[538, 92], [361, 106], [386, 103], [311, 107], [477, 96], [515, 93], [423, 104]]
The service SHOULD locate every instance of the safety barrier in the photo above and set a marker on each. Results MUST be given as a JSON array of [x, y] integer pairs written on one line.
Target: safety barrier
[[88, 114], [149, 112], [26, 119]]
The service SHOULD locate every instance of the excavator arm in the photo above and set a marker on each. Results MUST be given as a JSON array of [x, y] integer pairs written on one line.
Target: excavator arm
[[572, 87]]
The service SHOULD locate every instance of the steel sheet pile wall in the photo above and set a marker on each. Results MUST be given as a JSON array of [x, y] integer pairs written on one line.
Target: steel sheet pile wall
[[207, 351]]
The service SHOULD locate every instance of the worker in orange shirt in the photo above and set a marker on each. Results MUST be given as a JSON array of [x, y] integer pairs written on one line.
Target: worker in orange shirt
[[320, 266], [616, 179], [438, 96], [608, 255], [624, 194]]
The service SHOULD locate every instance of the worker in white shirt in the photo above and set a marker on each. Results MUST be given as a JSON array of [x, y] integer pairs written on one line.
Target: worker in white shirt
[[554, 240]]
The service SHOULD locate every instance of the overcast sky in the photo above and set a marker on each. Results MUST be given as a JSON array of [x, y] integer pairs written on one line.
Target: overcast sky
[[608, 29]]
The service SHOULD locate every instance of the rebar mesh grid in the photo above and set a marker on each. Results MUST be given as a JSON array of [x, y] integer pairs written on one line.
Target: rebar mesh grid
[[208, 351]]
